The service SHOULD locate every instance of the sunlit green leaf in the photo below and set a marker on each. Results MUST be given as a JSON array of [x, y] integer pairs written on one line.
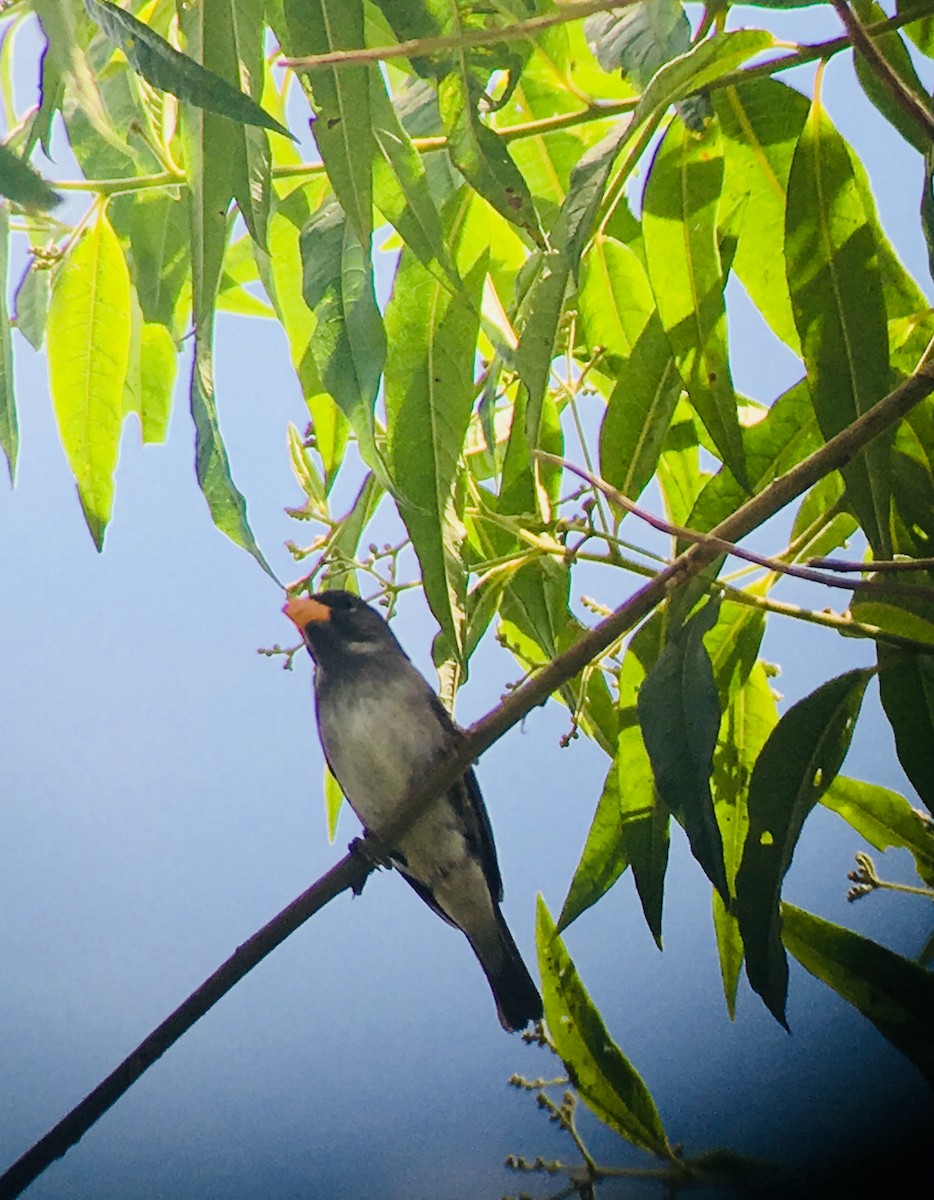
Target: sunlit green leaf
[[432, 337], [606, 1080], [894, 993], [89, 347], [885, 819], [680, 206], [340, 98], [894, 52], [761, 123], [836, 291], [158, 365], [798, 762]]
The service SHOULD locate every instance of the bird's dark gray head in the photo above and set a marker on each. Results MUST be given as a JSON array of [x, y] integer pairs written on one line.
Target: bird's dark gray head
[[338, 625]]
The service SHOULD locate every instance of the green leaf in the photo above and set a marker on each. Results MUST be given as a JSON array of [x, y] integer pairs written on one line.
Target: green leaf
[[894, 993], [884, 818], [906, 685], [159, 230], [540, 316], [333, 800], [607, 1082], [640, 40], [171, 71], [679, 715], [225, 503], [9, 429], [432, 338], [344, 546], [23, 185], [895, 54], [680, 207], [797, 764], [629, 827], [89, 349], [892, 618], [781, 439], [349, 345], [32, 302], [836, 291], [480, 154], [401, 188], [340, 97], [158, 365], [761, 123]]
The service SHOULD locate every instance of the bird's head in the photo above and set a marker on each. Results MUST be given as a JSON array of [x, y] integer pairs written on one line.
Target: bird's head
[[338, 623]]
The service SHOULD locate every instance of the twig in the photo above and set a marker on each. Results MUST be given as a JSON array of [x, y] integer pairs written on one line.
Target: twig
[[721, 546], [877, 566], [353, 869], [417, 47], [911, 104]]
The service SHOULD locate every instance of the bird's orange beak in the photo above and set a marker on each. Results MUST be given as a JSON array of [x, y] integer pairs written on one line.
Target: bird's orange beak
[[303, 610]]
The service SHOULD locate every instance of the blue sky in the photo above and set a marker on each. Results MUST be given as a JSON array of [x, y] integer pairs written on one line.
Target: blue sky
[[161, 789]]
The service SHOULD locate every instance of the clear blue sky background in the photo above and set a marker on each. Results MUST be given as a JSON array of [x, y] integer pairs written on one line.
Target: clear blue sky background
[[162, 799]]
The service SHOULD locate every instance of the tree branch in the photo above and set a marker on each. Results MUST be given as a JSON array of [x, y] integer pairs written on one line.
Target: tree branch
[[353, 869]]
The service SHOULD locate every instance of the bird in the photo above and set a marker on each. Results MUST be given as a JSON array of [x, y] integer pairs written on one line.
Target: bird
[[382, 728]]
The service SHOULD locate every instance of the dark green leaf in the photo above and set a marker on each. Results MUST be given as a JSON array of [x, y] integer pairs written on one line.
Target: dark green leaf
[[836, 291], [606, 1080], [680, 716], [680, 206], [226, 504], [894, 993], [906, 684], [798, 762], [23, 185], [171, 71], [629, 827]]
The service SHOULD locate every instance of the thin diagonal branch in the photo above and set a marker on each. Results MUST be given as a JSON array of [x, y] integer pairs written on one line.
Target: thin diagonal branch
[[353, 869], [722, 546]]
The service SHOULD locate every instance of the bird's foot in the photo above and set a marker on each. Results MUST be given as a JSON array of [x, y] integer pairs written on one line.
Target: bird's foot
[[371, 850]]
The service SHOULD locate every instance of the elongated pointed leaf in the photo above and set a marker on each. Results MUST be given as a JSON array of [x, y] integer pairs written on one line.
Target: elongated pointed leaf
[[9, 430], [641, 39], [158, 365], [680, 208], [836, 291], [895, 53], [23, 185], [906, 684], [89, 348], [340, 97], [680, 716], [32, 303], [629, 826], [896, 994], [432, 338], [761, 123], [884, 818], [401, 187], [606, 1080], [797, 764], [349, 345], [169, 70]]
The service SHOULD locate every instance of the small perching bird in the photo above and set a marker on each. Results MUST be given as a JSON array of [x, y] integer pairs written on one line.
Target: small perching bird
[[382, 728]]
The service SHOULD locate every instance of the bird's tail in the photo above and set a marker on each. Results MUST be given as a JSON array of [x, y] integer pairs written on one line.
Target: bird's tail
[[515, 993]]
